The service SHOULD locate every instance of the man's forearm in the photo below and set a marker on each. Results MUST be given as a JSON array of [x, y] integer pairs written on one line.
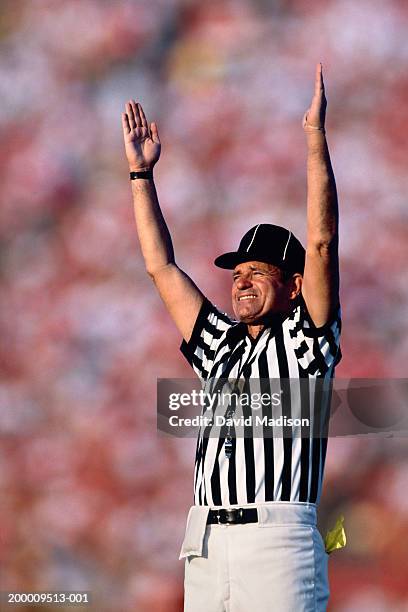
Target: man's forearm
[[322, 209], [154, 236]]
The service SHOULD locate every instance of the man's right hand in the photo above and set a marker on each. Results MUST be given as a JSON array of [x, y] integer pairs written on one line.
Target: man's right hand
[[142, 143], [180, 295]]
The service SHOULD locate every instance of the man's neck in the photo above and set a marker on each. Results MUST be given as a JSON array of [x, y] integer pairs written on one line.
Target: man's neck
[[255, 330], [271, 320]]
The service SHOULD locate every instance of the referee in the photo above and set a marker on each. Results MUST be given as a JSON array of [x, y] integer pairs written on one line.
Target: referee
[[251, 540]]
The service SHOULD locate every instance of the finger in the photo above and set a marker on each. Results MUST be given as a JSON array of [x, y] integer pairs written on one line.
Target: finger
[[130, 114], [155, 133], [319, 86], [142, 115], [136, 114], [321, 76], [125, 124]]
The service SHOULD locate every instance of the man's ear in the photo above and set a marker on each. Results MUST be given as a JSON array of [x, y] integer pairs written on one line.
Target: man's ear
[[296, 286]]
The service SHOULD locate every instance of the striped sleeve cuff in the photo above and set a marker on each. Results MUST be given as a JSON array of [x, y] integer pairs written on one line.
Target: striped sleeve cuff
[[311, 331], [188, 348]]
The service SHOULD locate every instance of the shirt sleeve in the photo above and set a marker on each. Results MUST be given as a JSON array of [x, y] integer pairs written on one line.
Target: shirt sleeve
[[317, 349], [209, 328]]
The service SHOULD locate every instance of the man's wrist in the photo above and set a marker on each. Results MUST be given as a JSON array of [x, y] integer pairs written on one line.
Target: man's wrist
[[316, 140], [310, 130], [140, 168], [140, 173]]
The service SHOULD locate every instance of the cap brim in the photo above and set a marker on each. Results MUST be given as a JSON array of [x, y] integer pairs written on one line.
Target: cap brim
[[228, 261]]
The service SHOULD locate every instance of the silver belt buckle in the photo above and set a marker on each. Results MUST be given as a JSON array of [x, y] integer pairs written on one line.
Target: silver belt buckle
[[231, 515]]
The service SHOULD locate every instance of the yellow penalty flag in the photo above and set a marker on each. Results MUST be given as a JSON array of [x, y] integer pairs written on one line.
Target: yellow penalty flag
[[336, 537]]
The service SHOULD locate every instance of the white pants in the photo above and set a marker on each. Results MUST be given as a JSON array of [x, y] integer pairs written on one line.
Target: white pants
[[277, 564]]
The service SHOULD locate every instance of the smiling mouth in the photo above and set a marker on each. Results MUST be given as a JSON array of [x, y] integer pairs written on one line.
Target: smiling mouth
[[250, 296]]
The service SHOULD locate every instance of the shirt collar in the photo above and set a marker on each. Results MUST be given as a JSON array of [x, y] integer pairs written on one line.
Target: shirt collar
[[239, 331]]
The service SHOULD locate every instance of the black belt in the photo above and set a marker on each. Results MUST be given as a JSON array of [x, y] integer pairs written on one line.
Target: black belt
[[232, 516]]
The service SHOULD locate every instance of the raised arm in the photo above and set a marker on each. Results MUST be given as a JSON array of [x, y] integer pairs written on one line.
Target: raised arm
[[180, 295], [320, 288]]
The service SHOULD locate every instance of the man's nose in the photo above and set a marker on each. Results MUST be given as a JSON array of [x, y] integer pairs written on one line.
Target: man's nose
[[244, 282]]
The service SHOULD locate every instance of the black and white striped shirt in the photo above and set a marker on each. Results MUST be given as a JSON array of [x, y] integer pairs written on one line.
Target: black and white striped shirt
[[281, 468]]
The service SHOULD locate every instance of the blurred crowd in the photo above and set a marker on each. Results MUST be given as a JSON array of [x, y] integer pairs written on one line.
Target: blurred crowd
[[93, 498]]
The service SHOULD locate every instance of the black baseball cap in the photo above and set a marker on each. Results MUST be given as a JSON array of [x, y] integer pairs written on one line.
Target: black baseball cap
[[268, 243]]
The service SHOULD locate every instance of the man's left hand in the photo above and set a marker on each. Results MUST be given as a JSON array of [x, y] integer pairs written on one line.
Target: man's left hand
[[315, 116]]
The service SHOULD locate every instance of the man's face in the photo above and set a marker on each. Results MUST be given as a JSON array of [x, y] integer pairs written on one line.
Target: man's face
[[258, 290]]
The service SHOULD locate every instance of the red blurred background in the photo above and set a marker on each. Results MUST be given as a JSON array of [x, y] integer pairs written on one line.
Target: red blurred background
[[92, 497]]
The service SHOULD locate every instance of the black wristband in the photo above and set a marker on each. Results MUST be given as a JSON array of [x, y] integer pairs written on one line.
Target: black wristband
[[145, 174]]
